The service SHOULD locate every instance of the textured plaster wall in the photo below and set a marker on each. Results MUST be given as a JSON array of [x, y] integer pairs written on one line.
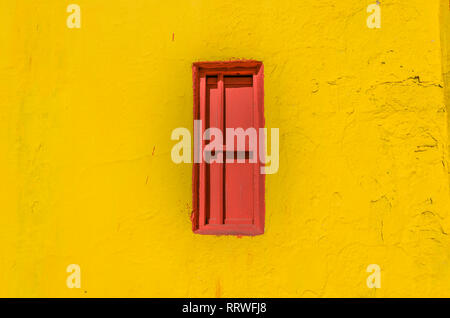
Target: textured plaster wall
[[86, 175]]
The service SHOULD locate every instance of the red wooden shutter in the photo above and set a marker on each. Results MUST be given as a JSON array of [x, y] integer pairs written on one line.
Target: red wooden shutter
[[228, 198]]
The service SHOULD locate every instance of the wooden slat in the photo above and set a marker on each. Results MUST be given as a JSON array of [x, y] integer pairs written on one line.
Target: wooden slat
[[202, 194], [215, 104], [238, 80]]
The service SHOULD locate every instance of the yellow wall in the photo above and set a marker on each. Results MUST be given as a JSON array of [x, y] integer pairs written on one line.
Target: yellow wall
[[87, 178]]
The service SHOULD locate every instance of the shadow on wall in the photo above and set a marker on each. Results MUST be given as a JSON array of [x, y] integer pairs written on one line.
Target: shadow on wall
[[444, 21]]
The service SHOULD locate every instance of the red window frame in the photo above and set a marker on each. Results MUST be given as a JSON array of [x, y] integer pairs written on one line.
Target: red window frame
[[220, 69]]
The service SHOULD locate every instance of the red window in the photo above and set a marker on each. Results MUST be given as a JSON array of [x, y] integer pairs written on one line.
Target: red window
[[228, 197]]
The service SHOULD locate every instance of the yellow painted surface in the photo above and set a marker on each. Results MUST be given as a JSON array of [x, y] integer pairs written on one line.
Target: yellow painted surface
[[87, 178]]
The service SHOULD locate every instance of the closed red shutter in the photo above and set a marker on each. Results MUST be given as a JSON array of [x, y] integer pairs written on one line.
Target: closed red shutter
[[228, 197]]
